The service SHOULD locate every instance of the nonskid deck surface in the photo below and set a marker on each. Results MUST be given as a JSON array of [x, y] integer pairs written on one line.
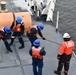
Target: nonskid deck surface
[[19, 62]]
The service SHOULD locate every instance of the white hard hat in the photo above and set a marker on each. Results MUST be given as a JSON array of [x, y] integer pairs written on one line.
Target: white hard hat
[[66, 35]]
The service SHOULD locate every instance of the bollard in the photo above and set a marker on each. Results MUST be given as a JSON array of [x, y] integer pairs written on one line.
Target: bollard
[[3, 6]]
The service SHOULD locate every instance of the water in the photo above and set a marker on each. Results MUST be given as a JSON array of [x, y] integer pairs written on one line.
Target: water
[[67, 17]]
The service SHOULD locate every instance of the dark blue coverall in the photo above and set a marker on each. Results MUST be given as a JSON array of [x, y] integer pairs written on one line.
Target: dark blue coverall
[[33, 37], [4, 38], [36, 62], [18, 34]]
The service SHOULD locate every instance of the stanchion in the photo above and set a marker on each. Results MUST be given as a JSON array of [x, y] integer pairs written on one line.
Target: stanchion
[[28, 3], [35, 7], [25, 0], [38, 14], [57, 21]]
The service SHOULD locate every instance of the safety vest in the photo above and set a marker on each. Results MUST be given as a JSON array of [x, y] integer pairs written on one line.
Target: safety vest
[[36, 52], [17, 27], [29, 30], [1, 36], [67, 47]]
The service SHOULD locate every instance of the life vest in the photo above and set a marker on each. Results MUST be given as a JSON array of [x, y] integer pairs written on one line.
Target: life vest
[[29, 30], [36, 52], [1, 36], [67, 47], [17, 28]]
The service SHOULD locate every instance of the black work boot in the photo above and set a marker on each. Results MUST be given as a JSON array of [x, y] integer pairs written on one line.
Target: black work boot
[[65, 73], [12, 40], [8, 51], [10, 43], [57, 72], [22, 46]]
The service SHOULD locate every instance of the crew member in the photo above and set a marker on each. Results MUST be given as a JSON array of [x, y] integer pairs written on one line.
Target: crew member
[[65, 54], [18, 30], [37, 54], [33, 31], [5, 32]]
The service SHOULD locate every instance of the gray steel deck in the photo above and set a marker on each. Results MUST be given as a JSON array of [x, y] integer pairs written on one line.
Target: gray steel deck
[[19, 62]]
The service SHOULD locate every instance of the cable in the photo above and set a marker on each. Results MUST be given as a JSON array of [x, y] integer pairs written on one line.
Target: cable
[[53, 42]]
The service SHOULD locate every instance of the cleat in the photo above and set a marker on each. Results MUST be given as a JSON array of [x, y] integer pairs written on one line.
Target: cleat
[[57, 72]]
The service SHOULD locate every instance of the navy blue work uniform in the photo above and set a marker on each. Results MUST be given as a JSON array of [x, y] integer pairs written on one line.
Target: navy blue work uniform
[[32, 34], [3, 36], [37, 59], [18, 34]]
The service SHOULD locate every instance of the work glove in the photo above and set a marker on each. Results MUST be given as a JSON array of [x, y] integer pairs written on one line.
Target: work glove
[[42, 51], [43, 38], [58, 56]]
